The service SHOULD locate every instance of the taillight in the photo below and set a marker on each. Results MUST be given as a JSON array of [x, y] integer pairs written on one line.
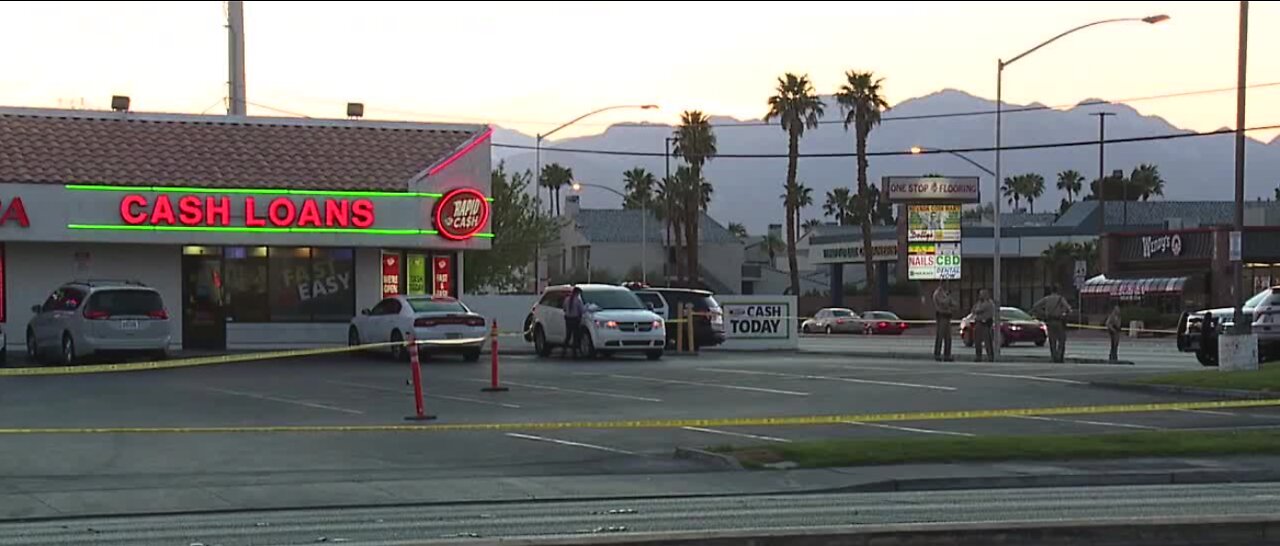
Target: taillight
[[475, 321], [902, 325], [424, 323], [839, 321], [96, 314], [882, 325], [158, 314]]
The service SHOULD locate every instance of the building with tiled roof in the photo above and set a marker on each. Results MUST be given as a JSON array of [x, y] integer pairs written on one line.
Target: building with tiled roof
[[256, 231]]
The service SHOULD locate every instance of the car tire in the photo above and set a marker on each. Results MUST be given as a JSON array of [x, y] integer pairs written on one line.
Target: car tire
[[1040, 343], [586, 347], [68, 354], [353, 339], [4, 357], [606, 354], [540, 345], [1004, 341], [399, 353], [528, 324], [1205, 359], [828, 331], [33, 350], [967, 340], [653, 355], [804, 329], [159, 355], [472, 355]]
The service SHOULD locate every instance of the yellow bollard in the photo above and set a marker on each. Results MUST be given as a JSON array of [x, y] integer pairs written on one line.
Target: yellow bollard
[[693, 343], [680, 329]]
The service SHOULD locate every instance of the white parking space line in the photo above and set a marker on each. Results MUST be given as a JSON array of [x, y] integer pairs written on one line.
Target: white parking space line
[[1208, 412], [910, 429], [738, 434], [1031, 378], [830, 378], [285, 400], [1085, 422], [574, 391], [568, 443], [712, 385], [439, 396]]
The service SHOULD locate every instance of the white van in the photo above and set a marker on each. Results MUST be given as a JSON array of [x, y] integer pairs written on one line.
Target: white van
[[616, 322]]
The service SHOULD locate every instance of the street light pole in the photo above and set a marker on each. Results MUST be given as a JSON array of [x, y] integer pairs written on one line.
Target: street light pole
[[537, 175], [1102, 172], [1000, 65]]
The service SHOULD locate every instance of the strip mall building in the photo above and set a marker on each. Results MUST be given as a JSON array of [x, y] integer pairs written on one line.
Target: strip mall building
[[258, 232]]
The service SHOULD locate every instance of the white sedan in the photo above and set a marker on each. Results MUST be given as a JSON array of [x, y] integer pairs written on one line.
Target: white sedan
[[441, 325]]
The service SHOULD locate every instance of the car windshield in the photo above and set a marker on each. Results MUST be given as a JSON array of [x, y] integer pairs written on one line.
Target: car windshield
[[884, 315], [612, 299], [126, 302], [841, 313], [1014, 314], [437, 305]]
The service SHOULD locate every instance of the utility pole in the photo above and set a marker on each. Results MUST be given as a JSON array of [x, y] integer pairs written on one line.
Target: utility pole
[[1102, 172], [235, 61], [1242, 326]]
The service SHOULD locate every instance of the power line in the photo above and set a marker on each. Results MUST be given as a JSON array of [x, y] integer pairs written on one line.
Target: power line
[[277, 110], [1069, 144]]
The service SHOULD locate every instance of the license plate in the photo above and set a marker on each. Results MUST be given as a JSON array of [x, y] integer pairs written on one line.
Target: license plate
[[453, 336], [128, 325]]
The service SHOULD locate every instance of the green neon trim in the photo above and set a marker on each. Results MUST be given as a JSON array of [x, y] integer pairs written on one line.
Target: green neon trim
[[237, 229], [258, 191]]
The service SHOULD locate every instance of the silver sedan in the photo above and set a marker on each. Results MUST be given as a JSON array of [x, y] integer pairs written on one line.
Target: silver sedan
[[833, 320]]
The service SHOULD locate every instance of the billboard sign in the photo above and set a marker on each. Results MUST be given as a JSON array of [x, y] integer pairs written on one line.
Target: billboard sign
[[933, 261], [940, 189], [933, 223]]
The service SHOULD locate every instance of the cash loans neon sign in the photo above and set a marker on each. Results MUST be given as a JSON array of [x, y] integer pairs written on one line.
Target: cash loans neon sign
[[280, 212]]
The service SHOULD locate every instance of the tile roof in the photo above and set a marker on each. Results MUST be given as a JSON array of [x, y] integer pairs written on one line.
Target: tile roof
[[63, 147], [623, 226]]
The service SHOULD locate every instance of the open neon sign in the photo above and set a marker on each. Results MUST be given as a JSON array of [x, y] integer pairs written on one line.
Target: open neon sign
[[280, 212]]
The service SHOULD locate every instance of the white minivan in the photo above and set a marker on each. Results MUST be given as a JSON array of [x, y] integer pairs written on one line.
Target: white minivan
[[616, 322]]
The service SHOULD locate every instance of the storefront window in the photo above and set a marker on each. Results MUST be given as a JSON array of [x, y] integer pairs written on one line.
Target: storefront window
[[245, 276], [290, 286], [332, 295]]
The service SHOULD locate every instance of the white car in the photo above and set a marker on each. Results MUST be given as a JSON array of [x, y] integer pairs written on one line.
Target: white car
[[616, 322], [441, 325]]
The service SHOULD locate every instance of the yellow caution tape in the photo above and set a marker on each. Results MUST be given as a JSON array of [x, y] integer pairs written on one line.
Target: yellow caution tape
[[674, 423], [189, 362]]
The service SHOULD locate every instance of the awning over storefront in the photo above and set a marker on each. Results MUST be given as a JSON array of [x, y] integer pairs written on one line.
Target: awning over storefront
[[1132, 289]]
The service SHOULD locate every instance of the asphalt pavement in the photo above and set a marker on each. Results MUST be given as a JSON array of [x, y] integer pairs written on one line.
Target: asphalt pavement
[[87, 472]]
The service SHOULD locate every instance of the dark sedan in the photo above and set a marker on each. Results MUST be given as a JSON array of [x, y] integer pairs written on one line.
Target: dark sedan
[[1016, 326], [882, 323]]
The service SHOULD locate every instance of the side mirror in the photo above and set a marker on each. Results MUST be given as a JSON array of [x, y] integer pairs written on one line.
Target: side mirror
[[364, 311], [593, 307], [35, 308], [650, 306]]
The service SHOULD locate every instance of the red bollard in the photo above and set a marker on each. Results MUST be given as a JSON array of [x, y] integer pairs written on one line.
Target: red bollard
[[493, 367], [416, 367]]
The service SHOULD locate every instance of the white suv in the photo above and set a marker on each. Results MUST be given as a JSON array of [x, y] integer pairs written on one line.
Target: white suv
[[616, 322]]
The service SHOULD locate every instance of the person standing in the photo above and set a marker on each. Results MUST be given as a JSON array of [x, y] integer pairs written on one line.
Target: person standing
[[944, 307], [1113, 330], [984, 315], [1053, 309], [574, 309]]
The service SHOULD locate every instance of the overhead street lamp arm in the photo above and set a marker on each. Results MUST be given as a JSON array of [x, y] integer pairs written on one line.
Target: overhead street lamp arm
[[1151, 20], [577, 186], [923, 150], [594, 112]]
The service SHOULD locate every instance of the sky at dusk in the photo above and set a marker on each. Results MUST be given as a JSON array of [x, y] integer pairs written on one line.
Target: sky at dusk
[[530, 66]]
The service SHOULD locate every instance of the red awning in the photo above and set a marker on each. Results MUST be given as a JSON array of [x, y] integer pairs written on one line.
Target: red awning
[[1133, 289]]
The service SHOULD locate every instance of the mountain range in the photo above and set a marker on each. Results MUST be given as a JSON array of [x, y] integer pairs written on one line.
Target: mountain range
[[748, 190]]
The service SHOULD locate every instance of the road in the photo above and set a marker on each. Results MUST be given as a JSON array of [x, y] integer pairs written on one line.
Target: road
[[622, 518], [1088, 345], [86, 472]]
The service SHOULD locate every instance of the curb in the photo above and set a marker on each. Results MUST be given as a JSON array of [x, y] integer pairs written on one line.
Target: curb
[[1175, 389], [929, 357], [1065, 480], [714, 459]]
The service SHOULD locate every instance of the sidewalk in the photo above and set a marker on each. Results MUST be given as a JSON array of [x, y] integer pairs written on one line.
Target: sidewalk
[[70, 496]]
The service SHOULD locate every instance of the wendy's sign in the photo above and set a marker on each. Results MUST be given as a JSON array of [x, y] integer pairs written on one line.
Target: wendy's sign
[[279, 212], [461, 214]]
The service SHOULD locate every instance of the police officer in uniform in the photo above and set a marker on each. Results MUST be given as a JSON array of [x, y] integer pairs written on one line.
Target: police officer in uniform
[[1053, 309], [984, 314], [944, 307], [1113, 330]]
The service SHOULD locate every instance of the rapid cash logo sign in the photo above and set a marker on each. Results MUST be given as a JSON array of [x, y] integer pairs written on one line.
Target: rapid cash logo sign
[[757, 321]]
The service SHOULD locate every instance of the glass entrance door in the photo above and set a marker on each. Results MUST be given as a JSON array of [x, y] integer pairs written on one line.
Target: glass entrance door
[[204, 318]]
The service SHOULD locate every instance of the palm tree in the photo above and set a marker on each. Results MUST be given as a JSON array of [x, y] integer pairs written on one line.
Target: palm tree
[[1146, 180], [839, 202], [804, 199], [1032, 189], [695, 141], [738, 230], [1071, 182], [1012, 190], [862, 100], [639, 185], [773, 245], [554, 177], [797, 107], [667, 196], [809, 224]]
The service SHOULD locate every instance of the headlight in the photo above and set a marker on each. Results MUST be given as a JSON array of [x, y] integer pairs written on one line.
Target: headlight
[[657, 325], [611, 324], [717, 317]]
